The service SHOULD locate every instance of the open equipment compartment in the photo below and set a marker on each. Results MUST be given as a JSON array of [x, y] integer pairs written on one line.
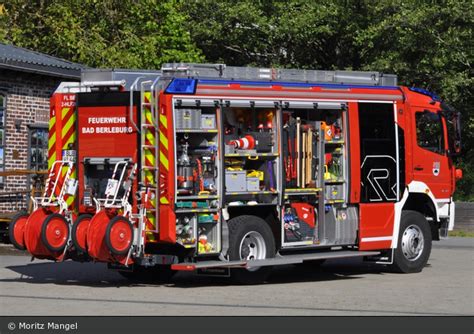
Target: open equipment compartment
[[251, 154], [302, 149], [197, 203], [314, 211], [340, 219]]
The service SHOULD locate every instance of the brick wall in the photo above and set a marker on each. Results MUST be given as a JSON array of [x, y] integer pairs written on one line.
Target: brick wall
[[27, 101]]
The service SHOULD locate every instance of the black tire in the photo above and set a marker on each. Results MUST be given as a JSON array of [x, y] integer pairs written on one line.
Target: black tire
[[44, 227], [108, 241], [11, 227], [412, 220], [239, 227], [74, 231], [156, 274]]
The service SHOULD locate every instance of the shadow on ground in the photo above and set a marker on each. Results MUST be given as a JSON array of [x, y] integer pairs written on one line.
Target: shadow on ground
[[97, 274]]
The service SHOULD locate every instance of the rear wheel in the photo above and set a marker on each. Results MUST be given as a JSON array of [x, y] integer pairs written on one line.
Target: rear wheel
[[16, 230], [414, 243], [250, 238]]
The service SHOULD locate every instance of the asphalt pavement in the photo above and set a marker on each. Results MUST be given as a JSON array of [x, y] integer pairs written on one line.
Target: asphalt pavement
[[339, 287]]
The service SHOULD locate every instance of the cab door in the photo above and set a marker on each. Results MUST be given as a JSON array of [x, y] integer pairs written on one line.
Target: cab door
[[430, 160]]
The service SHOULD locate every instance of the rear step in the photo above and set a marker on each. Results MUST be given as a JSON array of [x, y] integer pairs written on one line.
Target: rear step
[[277, 260]]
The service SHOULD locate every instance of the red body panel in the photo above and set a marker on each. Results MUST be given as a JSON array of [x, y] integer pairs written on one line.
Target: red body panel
[[376, 221], [61, 109], [354, 155], [425, 163], [443, 185], [95, 139], [167, 221]]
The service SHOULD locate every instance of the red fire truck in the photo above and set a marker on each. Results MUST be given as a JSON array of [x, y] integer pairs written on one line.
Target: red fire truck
[[230, 171]]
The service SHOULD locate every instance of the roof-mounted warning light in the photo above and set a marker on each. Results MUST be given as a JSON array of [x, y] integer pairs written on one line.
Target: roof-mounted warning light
[[433, 96], [181, 86]]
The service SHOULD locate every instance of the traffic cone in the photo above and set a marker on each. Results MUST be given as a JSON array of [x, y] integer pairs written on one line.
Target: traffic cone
[[245, 143]]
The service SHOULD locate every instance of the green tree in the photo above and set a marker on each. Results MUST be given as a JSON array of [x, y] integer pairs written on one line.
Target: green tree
[[427, 44], [109, 33]]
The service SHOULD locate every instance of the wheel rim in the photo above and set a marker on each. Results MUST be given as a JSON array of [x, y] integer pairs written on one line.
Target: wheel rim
[[252, 247], [57, 233], [413, 243], [120, 236]]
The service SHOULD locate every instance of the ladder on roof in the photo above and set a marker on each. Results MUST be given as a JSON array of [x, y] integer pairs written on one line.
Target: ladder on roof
[[222, 71], [149, 149]]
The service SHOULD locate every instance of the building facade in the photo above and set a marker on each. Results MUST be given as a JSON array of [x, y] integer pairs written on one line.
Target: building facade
[[27, 80]]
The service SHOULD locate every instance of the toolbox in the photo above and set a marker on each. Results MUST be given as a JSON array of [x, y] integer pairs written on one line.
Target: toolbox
[[253, 184], [236, 180], [188, 118], [208, 121], [334, 192]]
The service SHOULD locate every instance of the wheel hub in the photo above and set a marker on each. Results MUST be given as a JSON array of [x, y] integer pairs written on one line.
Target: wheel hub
[[412, 243], [252, 247]]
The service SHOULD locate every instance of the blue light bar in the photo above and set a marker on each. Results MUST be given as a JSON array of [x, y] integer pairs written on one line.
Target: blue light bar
[[425, 92], [182, 86]]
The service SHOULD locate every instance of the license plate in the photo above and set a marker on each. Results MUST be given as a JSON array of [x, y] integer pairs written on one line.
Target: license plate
[[69, 155]]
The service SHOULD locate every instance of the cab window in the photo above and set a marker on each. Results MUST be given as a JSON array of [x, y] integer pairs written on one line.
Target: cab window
[[429, 132]]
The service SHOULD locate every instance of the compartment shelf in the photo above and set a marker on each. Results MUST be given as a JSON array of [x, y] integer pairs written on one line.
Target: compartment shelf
[[334, 142], [334, 201], [245, 204], [196, 210], [264, 192], [334, 181], [247, 155], [184, 198], [302, 190], [196, 131]]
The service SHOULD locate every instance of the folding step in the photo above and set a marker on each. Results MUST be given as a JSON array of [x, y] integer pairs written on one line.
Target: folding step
[[276, 261]]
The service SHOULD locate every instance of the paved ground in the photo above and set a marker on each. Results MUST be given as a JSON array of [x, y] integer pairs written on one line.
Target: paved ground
[[339, 287]]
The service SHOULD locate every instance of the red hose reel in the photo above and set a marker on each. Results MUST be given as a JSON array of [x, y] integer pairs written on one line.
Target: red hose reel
[[46, 234], [109, 238], [16, 230]]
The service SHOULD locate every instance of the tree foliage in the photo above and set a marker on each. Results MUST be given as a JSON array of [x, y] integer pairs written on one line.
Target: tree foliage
[[113, 33], [427, 44]]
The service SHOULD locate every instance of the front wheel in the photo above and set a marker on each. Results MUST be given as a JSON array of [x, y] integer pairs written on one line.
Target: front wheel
[[414, 243], [250, 238]]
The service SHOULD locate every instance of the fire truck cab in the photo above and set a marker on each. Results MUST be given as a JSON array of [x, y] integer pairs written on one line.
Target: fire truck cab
[[230, 171]]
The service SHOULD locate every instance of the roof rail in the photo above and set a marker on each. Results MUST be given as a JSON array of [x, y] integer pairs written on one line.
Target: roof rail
[[116, 74], [223, 71]]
